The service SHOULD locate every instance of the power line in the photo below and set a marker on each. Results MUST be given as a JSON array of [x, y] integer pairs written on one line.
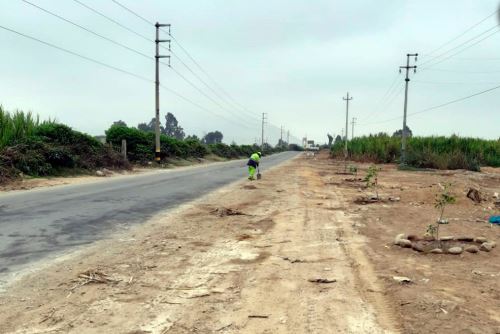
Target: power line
[[455, 83], [114, 21], [437, 106], [133, 13], [115, 69], [77, 54], [460, 45], [117, 43], [461, 34], [188, 54], [88, 30], [458, 71]]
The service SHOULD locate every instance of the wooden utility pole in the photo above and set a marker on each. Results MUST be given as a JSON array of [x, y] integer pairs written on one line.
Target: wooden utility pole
[[407, 80], [157, 87]]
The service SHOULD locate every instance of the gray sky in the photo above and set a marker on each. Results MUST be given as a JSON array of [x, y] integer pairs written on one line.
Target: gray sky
[[294, 60]]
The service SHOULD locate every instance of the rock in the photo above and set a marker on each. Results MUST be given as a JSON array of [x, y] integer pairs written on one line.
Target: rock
[[429, 238], [436, 251], [402, 279], [474, 195], [455, 250], [107, 171], [472, 249], [447, 238], [418, 247], [404, 243], [492, 243], [99, 173], [466, 239], [394, 199], [486, 246], [495, 195], [480, 240], [413, 237], [399, 237]]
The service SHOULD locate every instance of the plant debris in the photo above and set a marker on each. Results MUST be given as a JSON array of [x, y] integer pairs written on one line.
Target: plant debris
[[322, 280]]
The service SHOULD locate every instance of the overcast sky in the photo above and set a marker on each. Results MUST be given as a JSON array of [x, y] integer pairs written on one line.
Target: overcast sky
[[293, 60]]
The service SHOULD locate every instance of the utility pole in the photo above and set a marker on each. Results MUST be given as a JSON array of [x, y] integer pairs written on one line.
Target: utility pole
[[288, 137], [281, 136], [352, 123], [346, 99], [262, 134], [157, 85], [407, 80]]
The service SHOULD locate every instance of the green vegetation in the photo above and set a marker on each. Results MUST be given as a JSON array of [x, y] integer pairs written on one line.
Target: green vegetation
[[425, 152], [140, 146], [443, 198], [31, 147], [371, 178], [37, 148]]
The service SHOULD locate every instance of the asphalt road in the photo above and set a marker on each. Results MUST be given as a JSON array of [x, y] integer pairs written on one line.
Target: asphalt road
[[45, 222]]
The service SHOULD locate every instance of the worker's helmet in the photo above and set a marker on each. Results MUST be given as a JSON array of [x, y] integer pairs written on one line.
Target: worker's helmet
[[260, 154]]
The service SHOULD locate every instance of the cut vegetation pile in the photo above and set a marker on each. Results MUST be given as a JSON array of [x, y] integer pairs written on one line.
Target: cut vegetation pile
[[425, 152]]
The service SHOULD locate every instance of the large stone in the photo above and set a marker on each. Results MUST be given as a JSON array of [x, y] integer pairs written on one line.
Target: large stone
[[436, 251], [404, 243], [455, 250], [480, 240], [399, 237], [418, 247], [447, 238], [474, 195], [472, 249], [429, 238], [413, 237], [486, 246], [99, 173]]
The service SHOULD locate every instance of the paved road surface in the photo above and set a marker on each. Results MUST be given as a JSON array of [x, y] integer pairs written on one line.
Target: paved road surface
[[40, 223]]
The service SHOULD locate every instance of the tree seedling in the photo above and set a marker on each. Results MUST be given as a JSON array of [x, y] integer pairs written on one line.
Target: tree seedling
[[371, 178], [353, 169], [443, 198]]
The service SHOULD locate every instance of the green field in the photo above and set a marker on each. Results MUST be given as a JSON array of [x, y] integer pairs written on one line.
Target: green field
[[439, 152]]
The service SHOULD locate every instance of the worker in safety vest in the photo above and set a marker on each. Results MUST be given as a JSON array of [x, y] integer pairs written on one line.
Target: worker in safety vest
[[252, 164]]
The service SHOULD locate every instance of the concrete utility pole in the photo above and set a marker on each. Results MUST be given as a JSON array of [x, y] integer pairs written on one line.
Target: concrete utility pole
[[407, 80], [262, 134], [352, 123], [157, 85], [281, 136], [346, 99], [288, 137]]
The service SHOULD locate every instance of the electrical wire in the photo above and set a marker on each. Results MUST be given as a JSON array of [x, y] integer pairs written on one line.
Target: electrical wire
[[187, 53], [461, 34], [115, 69], [437, 106], [460, 45], [88, 30]]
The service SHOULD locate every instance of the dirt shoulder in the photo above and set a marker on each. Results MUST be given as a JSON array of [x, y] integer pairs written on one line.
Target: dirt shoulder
[[209, 270], [448, 293]]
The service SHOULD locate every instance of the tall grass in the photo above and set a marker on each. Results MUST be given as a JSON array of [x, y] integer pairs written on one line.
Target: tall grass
[[16, 126], [441, 152]]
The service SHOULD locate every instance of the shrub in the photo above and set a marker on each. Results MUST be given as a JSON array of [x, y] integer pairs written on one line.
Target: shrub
[[425, 152]]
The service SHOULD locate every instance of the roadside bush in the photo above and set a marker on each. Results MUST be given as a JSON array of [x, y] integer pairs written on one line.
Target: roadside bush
[[426, 152]]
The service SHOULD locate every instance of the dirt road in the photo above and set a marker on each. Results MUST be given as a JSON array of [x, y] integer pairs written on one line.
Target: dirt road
[[287, 254]]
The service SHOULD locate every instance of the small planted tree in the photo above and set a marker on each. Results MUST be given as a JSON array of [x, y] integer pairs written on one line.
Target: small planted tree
[[371, 179], [353, 169], [443, 198]]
